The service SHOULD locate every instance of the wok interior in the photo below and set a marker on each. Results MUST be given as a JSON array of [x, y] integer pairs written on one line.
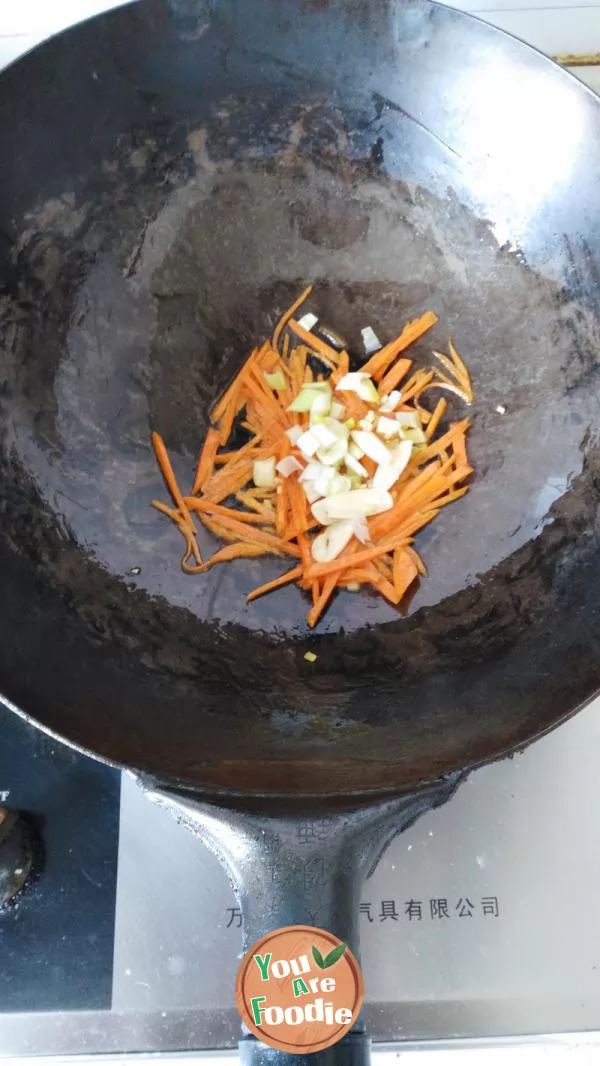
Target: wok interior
[[131, 306]]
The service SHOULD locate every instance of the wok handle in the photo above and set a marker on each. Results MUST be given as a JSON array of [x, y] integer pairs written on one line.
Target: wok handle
[[301, 870]]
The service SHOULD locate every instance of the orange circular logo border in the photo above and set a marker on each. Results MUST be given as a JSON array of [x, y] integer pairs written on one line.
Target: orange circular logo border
[[263, 1034]]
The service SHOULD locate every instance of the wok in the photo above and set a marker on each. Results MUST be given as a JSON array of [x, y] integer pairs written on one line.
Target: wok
[[171, 176]]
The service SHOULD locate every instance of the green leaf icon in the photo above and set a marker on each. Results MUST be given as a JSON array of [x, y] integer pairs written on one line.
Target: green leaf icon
[[316, 954], [332, 958]]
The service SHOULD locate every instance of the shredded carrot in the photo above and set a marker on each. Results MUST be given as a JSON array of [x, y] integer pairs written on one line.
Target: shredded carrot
[[434, 421], [405, 571], [275, 517], [193, 503], [283, 321], [186, 524], [206, 462], [292, 575], [326, 353], [394, 376], [237, 550], [381, 360]]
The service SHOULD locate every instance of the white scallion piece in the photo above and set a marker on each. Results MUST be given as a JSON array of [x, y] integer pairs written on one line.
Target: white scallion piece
[[288, 465], [331, 542], [416, 436], [372, 446], [338, 411], [338, 484], [293, 434], [412, 419], [386, 476], [388, 427], [306, 397], [370, 339], [310, 491], [390, 402], [322, 481], [308, 321], [359, 382], [361, 530], [324, 434], [263, 473], [360, 503], [308, 444], [320, 408], [333, 453], [354, 466], [311, 471]]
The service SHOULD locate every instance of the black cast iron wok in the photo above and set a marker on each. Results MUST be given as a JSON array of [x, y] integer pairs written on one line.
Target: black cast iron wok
[[171, 176]]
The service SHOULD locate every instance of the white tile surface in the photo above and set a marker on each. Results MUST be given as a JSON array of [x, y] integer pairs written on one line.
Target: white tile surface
[[11, 47], [45, 17], [555, 31]]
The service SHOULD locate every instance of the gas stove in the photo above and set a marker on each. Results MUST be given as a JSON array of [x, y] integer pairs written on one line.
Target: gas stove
[[481, 921]]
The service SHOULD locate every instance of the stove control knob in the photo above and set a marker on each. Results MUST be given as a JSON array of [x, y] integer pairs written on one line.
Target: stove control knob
[[16, 853]]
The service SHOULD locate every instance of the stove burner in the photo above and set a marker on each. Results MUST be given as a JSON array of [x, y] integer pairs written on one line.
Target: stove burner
[[16, 853]]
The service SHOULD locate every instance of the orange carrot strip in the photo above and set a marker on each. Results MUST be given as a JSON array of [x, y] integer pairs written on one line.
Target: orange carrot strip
[[196, 503], [438, 445], [315, 344], [230, 415], [459, 447], [383, 565], [283, 321], [259, 536], [366, 555], [381, 360], [405, 571], [258, 389], [171, 482], [292, 575], [167, 470], [226, 457], [228, 481], [171, 512], [394, 376], [450, 368], [259, 506], [463, 371], [206, 462], [386, 589], [298, 507], [297, 365], [280, 511], [452, 496], [355, 407], [438, 414], [222, 404], [342, 370], [416, 384], [416, 558], [236, 550], [326, 592]]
